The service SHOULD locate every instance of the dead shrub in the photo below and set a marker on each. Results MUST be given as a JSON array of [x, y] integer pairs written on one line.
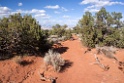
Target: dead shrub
[[18, 59], [107, 51], [54, 59]]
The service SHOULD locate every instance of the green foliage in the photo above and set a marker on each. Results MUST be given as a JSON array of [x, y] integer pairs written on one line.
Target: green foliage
[[89, 37], [68, 34], [20, 35], [77, 29], [61, 31], [101, 17], [120, 43], [87, 20], [105, 30], [116, 17]]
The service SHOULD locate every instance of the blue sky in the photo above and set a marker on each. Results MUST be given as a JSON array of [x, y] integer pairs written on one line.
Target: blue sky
[[51, 12]]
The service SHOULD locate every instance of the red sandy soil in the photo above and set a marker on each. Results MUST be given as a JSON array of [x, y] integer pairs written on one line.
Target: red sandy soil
[[79, 69]]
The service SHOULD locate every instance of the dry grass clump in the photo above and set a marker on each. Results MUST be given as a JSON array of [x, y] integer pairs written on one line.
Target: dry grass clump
[[18, 59], [54, 59], [107, 51]]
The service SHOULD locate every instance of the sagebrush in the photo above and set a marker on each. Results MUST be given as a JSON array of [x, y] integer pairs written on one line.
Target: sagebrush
[[107, 51], [54, 59]]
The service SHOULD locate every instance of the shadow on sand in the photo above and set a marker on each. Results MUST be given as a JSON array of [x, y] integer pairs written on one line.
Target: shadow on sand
[[25, 62], [61, 50], [67, 65]]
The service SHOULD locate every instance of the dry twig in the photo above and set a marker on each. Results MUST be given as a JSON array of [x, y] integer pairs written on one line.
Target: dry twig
[[100, 64], [50, 79]]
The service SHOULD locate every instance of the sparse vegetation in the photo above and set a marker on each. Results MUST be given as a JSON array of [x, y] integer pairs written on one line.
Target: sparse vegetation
[[61, 31], [54, 59], [107, 51], [47, 41]]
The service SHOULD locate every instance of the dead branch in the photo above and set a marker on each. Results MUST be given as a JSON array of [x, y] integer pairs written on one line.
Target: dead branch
[[88, 49], [100, 64], [109, 52], [49, 79]]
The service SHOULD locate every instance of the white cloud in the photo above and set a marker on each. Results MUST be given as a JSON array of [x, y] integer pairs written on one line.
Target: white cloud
[[101, 2], [20, 4], [56, 7], [33, 11], [48, 23], [40, 16], [95, 5], [44, 19], [56, 12], [52, 7], [4, 11], [89, 1], [64, 9], [36, 13], [91, 9], [66, 16]]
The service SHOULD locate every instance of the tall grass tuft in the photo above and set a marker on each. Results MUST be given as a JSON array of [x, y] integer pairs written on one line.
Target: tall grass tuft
[[54, 59]]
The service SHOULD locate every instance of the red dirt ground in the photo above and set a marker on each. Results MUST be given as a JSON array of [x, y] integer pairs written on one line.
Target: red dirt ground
[[80, 67]]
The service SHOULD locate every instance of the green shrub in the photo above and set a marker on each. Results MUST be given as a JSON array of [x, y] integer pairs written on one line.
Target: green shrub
[[21, 35], [60, 31], [105, 30]]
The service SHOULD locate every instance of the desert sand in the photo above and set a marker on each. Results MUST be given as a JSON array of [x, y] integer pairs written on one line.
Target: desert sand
[[79, 67]]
